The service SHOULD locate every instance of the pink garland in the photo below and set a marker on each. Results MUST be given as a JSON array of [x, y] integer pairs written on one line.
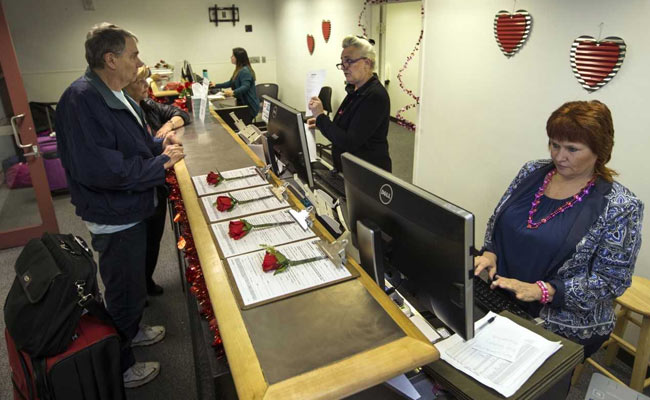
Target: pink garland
[[400, 118]]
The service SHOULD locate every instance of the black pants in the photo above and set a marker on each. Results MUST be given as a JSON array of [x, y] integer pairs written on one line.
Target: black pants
[[121, 266], [155, 227]]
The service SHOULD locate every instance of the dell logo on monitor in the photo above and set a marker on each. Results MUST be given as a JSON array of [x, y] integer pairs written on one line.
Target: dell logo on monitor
[[385, 194]]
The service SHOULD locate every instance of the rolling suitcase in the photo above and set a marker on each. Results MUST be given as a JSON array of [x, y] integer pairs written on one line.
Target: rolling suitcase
[[53, 168], [88, 369]]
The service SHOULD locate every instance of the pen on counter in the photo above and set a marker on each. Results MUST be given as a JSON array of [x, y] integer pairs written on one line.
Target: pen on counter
[[484, 324]]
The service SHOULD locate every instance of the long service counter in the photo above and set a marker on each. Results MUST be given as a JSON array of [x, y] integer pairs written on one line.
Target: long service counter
[[327, 343]]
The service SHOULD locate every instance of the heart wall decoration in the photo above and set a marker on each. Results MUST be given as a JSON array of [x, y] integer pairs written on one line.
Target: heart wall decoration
[[596, 62], [311, 43], [512, 30], [326, 26]]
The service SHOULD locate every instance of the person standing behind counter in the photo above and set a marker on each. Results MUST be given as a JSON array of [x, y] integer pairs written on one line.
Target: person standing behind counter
[[565, 236], [162, 119], [242, 83], [360, 125]]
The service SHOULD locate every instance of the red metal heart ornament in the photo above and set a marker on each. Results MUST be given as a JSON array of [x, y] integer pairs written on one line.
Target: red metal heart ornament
[[595, 63], [512, 30], [326, 26], [311, 43]]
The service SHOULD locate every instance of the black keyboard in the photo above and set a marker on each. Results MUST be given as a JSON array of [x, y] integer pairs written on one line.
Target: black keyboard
[[496, 300], [335, 181]]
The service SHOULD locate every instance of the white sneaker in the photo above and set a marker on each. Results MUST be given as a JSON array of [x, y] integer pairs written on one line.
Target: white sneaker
[[148, 335], [140, 373]]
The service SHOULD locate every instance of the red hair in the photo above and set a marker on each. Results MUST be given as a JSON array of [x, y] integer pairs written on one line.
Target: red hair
[[588, 122]]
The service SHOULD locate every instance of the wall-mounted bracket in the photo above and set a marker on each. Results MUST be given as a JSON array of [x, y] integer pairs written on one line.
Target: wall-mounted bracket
[[223, 14]]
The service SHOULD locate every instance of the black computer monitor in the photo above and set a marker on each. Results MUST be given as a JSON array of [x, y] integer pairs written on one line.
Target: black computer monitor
[[421, 242], [286, 132], [242, 112], [188, 74]]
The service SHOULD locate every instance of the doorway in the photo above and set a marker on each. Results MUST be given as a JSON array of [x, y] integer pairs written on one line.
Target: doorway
[[26, 209]]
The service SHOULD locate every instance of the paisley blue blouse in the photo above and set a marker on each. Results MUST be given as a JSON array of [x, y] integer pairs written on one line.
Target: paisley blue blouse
[[595, 261]]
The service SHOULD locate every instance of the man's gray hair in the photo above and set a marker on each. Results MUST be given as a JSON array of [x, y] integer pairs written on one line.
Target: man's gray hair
[[105, 38], [367, 49]]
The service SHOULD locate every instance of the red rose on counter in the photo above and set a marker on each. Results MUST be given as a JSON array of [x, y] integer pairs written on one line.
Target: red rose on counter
[[180, 88], [188, 85], [225, 203], [214, 178], [270, 262], [239, 229]]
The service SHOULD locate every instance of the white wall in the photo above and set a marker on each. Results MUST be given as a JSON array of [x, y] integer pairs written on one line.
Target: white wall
[[49, 37], [483, 115], [294, 19], [403, 24]]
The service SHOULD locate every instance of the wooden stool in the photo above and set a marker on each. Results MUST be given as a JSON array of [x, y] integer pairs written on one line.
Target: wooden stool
[[635, 299]]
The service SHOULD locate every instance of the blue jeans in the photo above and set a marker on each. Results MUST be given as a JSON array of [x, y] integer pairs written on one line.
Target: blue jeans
[[122, 268]]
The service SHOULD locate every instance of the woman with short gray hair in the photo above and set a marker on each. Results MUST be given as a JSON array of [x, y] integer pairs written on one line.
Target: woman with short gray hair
[[360, 125]]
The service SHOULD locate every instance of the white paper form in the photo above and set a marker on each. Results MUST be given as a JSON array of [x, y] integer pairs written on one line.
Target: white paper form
[[313, 84], [498, 341], [202, 187], [255, 285], [310, 134], [272, 236], [504, 376], [240, 210]]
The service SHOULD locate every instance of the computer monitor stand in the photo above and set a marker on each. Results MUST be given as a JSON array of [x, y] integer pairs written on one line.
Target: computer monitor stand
[[371, 251]]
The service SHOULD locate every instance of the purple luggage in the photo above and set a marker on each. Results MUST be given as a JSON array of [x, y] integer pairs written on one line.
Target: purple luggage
[[17, 175], [53, 168]]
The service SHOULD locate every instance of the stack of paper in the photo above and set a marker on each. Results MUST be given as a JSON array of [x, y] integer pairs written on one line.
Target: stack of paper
[[503, 354], [271, 236], [266, 201], [203, 188]]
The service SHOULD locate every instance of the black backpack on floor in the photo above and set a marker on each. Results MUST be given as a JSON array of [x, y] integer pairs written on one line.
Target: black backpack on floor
[[56, 279]]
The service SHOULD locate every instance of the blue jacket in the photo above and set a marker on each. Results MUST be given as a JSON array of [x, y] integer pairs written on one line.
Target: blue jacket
[[597, 259], [112, 164], [244, 89]]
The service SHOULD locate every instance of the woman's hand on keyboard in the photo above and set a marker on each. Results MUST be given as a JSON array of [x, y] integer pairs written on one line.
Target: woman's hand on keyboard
[[523, 291], [486, 261]]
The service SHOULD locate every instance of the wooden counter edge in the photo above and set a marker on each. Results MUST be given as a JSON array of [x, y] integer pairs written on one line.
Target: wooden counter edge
[[387, 361], [245, 367]]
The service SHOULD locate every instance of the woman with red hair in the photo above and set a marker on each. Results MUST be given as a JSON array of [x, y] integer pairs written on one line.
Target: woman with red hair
[[565, 236]]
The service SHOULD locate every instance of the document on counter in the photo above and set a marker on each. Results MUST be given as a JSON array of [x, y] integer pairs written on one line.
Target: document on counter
[[489, 358], [274, 235], [256, 287], [248, 201], [242, 180]]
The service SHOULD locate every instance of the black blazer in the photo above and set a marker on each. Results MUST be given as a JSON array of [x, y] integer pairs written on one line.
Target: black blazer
[[360, 125]]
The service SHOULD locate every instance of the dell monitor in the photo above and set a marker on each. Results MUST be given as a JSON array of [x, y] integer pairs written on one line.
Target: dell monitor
[[286, 132], [420, 242]]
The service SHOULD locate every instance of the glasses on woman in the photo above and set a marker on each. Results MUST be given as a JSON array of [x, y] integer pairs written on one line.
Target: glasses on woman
[[347, 63]]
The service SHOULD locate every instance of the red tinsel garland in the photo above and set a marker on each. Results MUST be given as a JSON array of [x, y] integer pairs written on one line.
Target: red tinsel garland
[[193, 271], [400, 118]]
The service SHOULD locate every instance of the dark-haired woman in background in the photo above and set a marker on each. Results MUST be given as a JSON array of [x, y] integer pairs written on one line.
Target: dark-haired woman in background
[[242, 83], [565, 236]]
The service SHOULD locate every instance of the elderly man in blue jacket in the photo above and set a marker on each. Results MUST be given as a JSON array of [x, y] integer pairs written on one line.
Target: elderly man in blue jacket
[[113, 167]]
